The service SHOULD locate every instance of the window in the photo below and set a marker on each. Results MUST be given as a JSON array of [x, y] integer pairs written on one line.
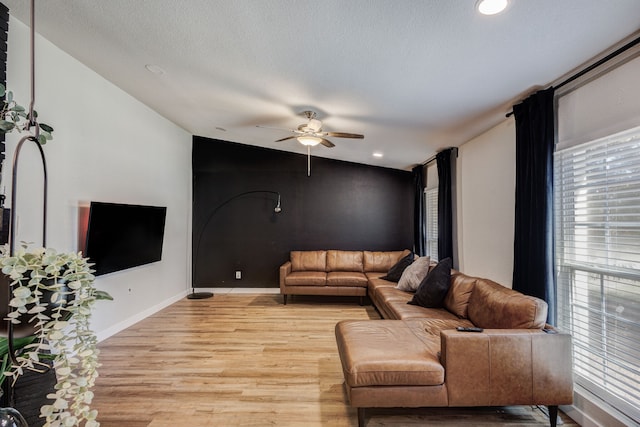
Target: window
[[597, 191], [431, 214]]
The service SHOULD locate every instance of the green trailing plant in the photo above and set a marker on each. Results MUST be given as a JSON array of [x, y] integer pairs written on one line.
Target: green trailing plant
[[55, 293], [18, 344], [14, 117]]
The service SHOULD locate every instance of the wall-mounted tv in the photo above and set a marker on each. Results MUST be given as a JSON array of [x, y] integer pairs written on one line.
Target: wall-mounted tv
[[121, 236]]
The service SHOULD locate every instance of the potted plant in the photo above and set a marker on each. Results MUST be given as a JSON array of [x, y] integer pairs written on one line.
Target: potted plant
[[14, 116], [54, 293]]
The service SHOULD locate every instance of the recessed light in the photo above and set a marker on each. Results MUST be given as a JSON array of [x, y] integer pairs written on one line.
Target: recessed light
[[491, 7], [378, 154], [155, 69]]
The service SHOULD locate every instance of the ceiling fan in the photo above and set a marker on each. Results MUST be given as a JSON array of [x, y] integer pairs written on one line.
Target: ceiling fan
[[311, 134]]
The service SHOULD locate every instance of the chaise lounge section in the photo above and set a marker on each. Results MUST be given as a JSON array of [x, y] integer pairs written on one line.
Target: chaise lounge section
[[417, 358]]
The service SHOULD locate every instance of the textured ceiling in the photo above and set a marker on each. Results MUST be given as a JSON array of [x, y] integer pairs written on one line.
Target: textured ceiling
[[413, 76]]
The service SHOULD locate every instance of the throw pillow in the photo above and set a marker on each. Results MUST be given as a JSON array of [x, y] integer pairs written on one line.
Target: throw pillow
[[433, 289], [413, 275], [395, 272]]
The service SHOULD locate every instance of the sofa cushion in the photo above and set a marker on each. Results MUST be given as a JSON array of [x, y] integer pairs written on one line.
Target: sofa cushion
[[308, 260], [346, 278], [413, 274], [382, 261], [395, 272], [457, 299], [492, 306], [402, 310], [387, 353], [388, 294], [345, 261], [434, 286], [306, 278], [374, 286]]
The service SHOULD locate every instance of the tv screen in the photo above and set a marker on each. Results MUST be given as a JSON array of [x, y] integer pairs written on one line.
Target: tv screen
[[121, 236]]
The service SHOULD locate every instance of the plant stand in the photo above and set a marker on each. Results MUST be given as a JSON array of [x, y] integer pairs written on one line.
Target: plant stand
[[30, 393]]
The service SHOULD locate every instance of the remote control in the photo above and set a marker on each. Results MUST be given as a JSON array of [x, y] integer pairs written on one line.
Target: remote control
[[469, 329]]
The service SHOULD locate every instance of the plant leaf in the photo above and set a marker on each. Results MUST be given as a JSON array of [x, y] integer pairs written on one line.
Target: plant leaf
[[45, 127], [6, 126], [102, 295], [46, 135]]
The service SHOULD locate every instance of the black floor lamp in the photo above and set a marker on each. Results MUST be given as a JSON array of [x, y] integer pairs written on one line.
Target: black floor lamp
[[203, 295]]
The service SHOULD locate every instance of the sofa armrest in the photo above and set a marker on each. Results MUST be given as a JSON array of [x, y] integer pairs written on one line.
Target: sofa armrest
[[507, 367], [285, 269]]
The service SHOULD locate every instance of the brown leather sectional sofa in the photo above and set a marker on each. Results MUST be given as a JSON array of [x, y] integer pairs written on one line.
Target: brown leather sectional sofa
[[334, 272], [415, 356]]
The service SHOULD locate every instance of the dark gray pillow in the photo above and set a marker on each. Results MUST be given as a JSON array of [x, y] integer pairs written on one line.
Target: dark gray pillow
[[395, 272], [433, 288]]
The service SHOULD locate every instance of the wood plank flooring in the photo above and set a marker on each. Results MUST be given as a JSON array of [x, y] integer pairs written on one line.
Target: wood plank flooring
[[248, 360]]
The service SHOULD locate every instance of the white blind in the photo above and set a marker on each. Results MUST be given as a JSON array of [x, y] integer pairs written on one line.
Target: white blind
[[431, 211], [432, 175], [605, 105], [597, 191]]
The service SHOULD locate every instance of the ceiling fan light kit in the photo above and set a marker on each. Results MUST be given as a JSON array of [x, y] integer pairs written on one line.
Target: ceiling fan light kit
[[309, 140]]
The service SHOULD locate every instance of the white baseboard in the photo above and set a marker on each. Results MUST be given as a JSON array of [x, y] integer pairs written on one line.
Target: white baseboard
[[103, 335]]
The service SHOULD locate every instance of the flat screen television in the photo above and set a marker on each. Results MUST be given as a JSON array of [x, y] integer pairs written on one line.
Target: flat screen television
[[121, 236]]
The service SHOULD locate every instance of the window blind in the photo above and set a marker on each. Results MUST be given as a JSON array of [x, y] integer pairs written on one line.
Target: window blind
[[431, 212], [597, 204], [607, 104]]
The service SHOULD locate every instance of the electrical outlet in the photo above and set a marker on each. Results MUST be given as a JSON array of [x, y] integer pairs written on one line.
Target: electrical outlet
[[238, 274]]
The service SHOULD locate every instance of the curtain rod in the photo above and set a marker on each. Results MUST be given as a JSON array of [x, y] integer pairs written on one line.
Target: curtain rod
[[429, 160], [596, 64], [433, 158]]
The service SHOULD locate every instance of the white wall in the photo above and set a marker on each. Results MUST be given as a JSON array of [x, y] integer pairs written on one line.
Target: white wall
[[108, 147], [486, 199]]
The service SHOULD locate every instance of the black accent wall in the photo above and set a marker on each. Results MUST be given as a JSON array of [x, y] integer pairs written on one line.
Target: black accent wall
[[341, 205]]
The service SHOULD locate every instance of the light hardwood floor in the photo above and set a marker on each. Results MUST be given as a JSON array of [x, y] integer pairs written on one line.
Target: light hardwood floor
[[248, 360]]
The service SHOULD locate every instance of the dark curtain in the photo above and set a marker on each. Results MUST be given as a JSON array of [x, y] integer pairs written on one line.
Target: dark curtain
[[419, 225], [445, 207], [533, 263], [4, 34]]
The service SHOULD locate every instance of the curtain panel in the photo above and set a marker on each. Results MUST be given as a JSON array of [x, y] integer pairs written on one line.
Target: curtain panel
[[445, 205], [533, 261], [419, 220]]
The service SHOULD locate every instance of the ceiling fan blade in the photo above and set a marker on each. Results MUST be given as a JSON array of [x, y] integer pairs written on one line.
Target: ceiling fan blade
[[277, 128], [285, 138], [345, 135], [327, 143]]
